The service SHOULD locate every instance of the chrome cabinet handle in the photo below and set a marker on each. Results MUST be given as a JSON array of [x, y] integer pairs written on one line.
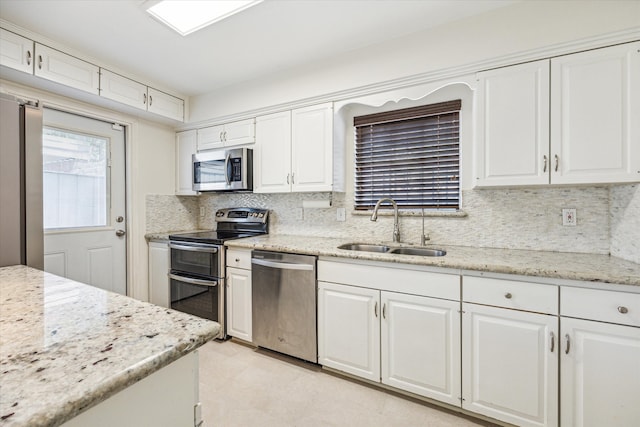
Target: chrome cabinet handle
[[375, 309], [120, 233], [544, 160], [557, 162], [508, 295], [623, 310], [28, 57], [150, 100], [384, 311], [40, 62], [293, 178], [568, 344], [553, 341], [288, 178], [144, 98]]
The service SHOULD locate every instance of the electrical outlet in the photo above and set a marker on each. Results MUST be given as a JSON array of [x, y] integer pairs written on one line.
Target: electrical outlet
[[202, 211], [569, 217], [299, 214], [341, 214]]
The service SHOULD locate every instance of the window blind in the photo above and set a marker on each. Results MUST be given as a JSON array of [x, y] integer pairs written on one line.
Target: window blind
[[410, 155]]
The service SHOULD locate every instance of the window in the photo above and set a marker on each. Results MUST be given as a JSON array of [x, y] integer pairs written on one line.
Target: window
[[410, 155], [75, 179]]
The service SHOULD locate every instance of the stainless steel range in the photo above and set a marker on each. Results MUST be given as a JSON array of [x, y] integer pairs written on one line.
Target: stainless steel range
[[197, 275]]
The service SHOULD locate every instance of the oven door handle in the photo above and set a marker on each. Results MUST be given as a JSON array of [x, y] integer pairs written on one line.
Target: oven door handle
[[192, 281], [209, 249], [281, 265]]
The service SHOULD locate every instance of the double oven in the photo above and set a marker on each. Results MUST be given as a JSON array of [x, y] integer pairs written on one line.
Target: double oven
[[198, 274]]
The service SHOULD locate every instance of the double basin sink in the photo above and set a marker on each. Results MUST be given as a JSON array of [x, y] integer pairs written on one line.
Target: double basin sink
[[364, 247]]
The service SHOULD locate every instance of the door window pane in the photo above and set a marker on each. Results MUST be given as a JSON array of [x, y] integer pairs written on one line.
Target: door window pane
[[76, 176]]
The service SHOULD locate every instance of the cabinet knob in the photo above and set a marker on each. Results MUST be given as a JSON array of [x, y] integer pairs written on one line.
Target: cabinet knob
[[237, 259], [508, 295], [623, 310]]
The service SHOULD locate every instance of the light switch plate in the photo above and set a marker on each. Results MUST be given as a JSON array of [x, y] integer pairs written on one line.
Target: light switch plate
[[341, 214]]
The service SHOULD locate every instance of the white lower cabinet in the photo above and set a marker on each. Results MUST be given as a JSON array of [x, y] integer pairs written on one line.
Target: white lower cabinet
[[510, 350], [510, 365], [159, 263], [239, 314], [409, 342], [600, 361]]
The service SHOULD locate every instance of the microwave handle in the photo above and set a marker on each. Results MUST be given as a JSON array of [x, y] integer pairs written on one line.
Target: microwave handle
[[227, 176], [192, 280]]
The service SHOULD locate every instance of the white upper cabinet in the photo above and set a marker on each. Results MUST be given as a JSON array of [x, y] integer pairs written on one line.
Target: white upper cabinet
[[565, 120], [312, 148], [513, 125], [242, 132], [118, 88], [65, 69], [272, 154], [165, 105], [595, 125], [294, 150], [126, 91], [185, 148], [16, 51]]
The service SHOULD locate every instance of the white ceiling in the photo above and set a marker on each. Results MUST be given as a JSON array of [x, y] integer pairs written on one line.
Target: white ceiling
[[272, 36]]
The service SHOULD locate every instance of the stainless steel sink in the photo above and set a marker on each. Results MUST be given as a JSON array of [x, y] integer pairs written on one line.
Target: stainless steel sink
[[364, 247], [418, 251]]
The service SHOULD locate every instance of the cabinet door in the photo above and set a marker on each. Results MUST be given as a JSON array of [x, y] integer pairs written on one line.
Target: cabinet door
[[158, 270], [513, 125], [349, 329], [16, 51], [210, 137], [165, 105], [421, 346], [59, 67], [272, 154], [595, 105], [510, 365], [185, 148], [599, 374], [240, 133], [239, 319], [312, 148], [114, 86]]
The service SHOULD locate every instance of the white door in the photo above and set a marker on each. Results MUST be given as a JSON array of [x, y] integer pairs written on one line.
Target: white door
[[84, 200], [349, 329], [510, 365], [421, 345], [600, 374]]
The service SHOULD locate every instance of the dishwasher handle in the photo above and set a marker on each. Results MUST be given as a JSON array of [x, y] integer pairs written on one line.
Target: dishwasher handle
[[282, 265]]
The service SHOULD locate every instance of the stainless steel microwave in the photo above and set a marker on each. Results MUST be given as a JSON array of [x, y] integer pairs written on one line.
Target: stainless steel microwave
[[223, 170]]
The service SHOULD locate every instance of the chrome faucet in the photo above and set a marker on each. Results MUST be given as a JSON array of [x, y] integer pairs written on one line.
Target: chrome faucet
[[396, 227], [424, 237]]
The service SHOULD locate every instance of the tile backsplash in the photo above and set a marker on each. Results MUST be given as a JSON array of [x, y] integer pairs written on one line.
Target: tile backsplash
[[608, 218]]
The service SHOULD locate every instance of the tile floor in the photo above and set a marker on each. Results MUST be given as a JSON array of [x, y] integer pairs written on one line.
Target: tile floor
[[242, 386]]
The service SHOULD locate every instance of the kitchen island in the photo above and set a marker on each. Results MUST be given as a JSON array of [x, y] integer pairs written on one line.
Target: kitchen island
[[67, 348]]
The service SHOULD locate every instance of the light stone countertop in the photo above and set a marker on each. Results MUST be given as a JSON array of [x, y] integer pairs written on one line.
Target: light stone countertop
[[66, 346], [163, 236], [555, 265]]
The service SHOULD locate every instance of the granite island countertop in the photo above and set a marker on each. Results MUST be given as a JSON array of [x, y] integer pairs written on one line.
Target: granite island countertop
[[66, 346], [554, 265]]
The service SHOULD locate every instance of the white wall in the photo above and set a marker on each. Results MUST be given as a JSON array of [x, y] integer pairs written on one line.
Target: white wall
[[522, 27]]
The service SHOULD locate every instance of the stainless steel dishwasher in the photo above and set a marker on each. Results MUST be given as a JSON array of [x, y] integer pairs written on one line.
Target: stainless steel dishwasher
[[284, 303]]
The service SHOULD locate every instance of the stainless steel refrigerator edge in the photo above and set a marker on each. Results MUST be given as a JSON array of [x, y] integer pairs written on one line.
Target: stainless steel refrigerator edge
[[21, 225]]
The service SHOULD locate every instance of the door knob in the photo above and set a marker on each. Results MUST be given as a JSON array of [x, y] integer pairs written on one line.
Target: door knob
[[120, 233], [119, 219]]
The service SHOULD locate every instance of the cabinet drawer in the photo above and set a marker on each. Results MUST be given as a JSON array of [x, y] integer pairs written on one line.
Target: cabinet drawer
[[393, 279], [239, 258], [525, 296], [605, 306]]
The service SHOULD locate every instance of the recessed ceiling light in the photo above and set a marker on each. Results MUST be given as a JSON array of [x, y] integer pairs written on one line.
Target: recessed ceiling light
[[187, 16]]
